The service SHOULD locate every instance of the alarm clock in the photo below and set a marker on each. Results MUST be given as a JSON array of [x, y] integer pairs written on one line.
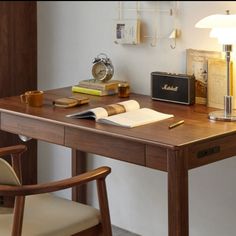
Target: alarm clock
[[102, 69]]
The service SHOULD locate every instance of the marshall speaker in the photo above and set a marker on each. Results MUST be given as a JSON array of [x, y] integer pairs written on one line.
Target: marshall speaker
[[177, 88]]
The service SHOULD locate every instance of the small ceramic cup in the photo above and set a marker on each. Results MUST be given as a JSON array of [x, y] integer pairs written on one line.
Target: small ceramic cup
[[32, 98]]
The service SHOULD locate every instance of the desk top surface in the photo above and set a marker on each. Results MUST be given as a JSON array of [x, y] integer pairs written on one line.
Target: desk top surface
[[197, 126]]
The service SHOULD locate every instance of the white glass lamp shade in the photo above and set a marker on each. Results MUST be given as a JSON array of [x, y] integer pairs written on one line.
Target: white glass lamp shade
[[224, 35], [217, 21], [223, 27]]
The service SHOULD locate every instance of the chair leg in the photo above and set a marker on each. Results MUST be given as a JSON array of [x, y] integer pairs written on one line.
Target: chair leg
[[104, 207], [18, 215]]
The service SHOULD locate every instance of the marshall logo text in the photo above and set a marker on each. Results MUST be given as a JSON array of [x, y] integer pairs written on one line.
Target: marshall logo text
[[170, 88]]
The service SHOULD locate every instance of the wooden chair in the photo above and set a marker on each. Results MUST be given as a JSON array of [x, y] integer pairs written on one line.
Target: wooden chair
[[38, 212]]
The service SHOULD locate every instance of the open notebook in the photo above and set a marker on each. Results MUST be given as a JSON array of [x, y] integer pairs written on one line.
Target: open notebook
[[126, 114]]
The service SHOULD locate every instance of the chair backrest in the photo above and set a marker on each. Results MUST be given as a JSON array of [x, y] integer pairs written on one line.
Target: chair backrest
[[7, 174]]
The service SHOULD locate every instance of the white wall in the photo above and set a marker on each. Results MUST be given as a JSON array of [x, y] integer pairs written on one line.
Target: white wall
[[70, 35]]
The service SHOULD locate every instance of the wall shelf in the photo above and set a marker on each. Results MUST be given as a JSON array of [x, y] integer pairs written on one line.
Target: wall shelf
[[172, 11]]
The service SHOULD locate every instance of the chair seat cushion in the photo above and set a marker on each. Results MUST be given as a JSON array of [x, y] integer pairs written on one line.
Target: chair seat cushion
[[47, 214]]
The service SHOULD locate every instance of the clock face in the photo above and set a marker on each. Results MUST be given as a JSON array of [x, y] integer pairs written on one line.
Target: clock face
[[99, 71]]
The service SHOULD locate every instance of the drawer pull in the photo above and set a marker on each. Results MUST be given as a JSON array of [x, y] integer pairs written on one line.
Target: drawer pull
[[208, 151]]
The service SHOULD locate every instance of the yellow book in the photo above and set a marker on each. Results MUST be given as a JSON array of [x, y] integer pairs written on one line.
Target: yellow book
[[93, 84], [97, 92]]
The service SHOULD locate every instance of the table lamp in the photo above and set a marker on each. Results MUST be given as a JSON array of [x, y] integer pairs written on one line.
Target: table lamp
[[223, 27]]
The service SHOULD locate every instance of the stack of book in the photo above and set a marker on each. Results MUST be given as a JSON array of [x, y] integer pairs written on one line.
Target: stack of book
[[98, 88]]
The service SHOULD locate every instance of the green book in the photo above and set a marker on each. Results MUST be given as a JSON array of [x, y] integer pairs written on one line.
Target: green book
[[97, 92]]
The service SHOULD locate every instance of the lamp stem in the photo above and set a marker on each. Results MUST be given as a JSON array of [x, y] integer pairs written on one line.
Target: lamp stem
[[228, 98]]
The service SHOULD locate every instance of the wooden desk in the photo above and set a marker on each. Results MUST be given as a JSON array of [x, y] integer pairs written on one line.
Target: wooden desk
[[197, 142]]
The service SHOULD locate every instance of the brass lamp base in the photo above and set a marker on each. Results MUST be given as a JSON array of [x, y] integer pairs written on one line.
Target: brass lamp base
[[222, 116]]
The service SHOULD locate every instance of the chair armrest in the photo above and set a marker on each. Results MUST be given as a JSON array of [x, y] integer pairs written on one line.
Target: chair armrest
[[11, 150], [96, 174]]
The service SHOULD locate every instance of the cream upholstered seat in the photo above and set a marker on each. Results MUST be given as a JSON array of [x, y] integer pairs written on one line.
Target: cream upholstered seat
[[45, 214], [42, 216]]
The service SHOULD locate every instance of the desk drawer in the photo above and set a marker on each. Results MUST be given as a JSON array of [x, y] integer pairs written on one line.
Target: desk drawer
[[211, 151], [105, 145], [41, 130]]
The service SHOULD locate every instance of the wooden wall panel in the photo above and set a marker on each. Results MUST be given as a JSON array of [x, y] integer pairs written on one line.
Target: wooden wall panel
[[18, 67]]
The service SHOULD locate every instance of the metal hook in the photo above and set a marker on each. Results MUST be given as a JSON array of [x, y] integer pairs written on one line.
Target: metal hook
[[174, 35], [173, 47]]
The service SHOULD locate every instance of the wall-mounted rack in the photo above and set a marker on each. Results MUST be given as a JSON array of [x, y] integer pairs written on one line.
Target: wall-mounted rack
[[172, 12]]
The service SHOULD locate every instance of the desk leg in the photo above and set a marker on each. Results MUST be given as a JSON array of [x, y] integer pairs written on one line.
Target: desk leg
[[178, 194], [78, 167]]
